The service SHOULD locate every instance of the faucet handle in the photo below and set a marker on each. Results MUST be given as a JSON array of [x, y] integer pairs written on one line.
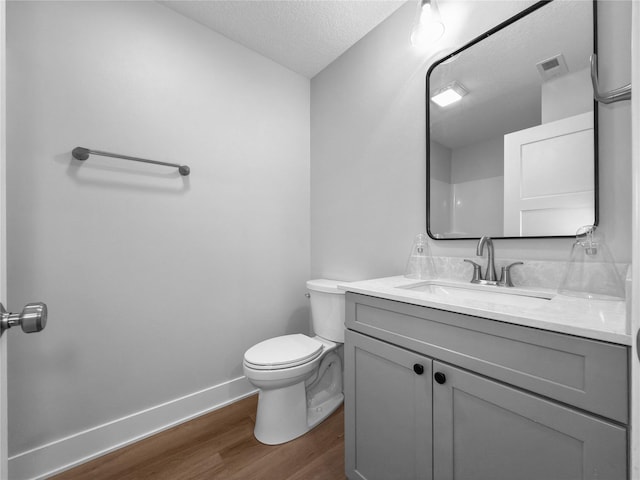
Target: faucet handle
[[477, 271], [505, 275]]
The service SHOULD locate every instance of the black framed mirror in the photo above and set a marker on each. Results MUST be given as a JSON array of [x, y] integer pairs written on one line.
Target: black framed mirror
[[512, 129]]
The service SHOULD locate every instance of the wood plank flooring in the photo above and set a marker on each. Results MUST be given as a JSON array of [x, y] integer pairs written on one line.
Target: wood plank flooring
[[221, 445]]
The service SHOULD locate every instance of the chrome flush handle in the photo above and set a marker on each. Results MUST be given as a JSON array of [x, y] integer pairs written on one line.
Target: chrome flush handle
[[33, 318]]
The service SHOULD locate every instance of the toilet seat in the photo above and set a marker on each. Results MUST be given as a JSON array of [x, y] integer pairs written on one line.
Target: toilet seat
[[283, 352]]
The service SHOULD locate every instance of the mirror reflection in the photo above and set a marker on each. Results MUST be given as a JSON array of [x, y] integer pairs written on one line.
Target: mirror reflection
[[511, 129]]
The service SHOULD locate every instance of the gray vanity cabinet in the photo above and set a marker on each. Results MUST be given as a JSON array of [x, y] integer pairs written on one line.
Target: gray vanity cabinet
[[431, 394], [484, 430], [388, 429]]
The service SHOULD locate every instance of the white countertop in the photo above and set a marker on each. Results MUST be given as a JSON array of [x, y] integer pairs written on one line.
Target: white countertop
[[595, 319]]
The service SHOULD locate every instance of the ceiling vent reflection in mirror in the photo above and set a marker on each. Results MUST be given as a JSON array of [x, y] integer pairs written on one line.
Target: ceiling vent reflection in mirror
[[552, 67]]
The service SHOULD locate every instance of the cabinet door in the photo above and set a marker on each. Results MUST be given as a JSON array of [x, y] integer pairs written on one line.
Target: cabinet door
[[387, 411], [484, 430]]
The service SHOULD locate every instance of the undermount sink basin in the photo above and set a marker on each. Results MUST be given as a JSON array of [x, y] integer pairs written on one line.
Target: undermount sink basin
[[487, 293]]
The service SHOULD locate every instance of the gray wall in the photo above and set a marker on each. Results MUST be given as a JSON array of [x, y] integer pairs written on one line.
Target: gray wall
[[368, 146], [156, 284], [477, 178], [440, 189]]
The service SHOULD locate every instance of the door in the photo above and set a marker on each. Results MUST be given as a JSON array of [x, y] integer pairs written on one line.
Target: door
[[635, 254], [537, 203], [387, 411], [34, 316], [3, 264], [489, 431]]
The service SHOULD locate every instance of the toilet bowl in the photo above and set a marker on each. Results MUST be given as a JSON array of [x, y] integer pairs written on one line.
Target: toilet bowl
[[299, 377]]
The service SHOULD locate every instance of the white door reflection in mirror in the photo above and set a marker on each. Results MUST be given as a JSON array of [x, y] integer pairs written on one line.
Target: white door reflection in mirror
[[549, 178]]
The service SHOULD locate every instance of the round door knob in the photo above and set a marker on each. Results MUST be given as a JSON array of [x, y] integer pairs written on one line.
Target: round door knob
[[440, 377], [33, 317], [419, 369]]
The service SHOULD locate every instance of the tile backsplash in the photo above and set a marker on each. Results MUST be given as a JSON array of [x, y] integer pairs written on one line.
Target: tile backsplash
[[533, 273]]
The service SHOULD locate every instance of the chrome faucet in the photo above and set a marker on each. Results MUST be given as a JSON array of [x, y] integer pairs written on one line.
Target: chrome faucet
[[490, 271]]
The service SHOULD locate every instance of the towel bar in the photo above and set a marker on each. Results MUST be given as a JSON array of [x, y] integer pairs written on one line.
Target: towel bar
[[81, 153]]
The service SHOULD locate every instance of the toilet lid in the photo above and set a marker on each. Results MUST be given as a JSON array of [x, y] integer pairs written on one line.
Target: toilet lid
[[283, 352]]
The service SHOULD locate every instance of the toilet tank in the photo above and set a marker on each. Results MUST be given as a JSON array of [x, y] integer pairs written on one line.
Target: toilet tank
[[327, 309]]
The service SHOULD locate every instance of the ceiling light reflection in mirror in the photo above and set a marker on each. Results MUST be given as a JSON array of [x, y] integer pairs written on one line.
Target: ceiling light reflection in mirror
[[448, 95]]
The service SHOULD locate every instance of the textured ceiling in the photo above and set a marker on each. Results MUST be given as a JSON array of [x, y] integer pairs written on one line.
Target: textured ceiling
[[303, 35]]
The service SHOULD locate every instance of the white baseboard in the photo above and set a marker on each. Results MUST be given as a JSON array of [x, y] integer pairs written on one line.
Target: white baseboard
[[65, 453]]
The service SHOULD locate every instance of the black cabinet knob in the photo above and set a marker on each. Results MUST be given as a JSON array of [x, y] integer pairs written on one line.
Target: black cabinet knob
[[440, 377], [419, 369]]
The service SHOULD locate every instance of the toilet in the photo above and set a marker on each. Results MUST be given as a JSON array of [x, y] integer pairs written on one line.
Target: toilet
[[300, 377]]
